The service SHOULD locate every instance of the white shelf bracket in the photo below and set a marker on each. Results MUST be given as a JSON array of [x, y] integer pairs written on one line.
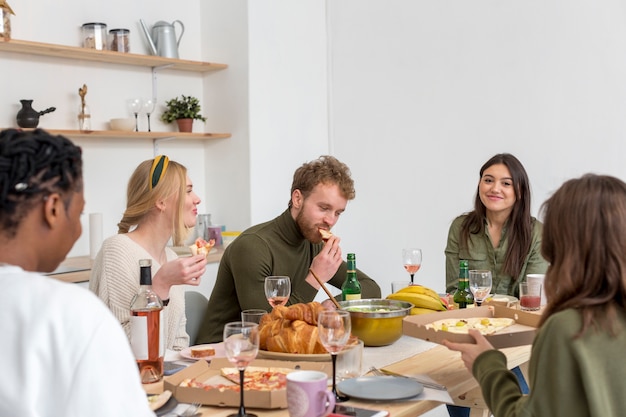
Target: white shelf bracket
[[155, 144]]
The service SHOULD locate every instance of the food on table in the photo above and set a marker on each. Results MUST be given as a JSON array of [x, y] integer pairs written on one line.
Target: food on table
[[486, 325], [259, 378], [424, 299], [202, 247], [255, 378], [326, 234], [291, 329], [202, 351], [157, 401]]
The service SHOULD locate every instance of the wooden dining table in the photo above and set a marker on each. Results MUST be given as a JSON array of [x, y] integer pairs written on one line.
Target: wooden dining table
[[435, 361]]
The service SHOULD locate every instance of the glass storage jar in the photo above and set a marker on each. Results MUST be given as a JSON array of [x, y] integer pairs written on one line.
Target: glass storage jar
[[119, 40], [95, 35]]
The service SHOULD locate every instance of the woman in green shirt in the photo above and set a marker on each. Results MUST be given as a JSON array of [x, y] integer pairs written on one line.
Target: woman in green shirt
[[577, 362], [499, 235]]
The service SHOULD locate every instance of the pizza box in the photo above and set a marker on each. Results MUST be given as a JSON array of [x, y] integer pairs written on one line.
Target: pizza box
[[202, 371], [519, 334]]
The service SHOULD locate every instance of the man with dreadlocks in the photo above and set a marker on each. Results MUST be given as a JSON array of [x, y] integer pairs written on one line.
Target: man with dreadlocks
[[63, 353]]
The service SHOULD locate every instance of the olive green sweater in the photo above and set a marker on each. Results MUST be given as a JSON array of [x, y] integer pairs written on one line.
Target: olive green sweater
[[482, 255], [273, 248], [568, 377]]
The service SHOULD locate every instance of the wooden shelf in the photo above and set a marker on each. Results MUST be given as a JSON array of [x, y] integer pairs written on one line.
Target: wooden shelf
[[109, 57], [93, 134]]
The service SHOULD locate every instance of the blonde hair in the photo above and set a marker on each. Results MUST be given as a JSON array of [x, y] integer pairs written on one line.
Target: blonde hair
[[141, 199]]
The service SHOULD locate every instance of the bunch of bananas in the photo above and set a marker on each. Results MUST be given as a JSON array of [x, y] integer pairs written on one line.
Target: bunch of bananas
[[423, 298]]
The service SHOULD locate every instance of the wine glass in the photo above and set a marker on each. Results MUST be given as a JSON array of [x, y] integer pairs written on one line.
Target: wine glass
[[135, 105], [241, 344], [148, 108], [480, 284], [277, 290], [334, 328], [412, 259]]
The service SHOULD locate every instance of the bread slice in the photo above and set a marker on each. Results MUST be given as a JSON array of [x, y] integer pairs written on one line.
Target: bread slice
[[202, 352]]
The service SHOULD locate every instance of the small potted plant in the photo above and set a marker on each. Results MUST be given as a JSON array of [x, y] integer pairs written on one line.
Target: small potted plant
[[184, 110]]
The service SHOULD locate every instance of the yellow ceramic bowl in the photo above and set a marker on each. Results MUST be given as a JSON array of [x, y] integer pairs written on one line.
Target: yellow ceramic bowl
[[377, 322]]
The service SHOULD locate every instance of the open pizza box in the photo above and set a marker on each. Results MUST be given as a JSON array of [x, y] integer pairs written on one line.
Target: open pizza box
[[210, 374], [522, 332]]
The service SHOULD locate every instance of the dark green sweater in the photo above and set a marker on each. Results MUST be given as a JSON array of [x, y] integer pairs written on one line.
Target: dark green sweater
[[568, 377], [273, 248]]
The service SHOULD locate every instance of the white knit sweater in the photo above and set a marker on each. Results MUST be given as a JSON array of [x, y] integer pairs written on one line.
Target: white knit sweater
[[115, 279]]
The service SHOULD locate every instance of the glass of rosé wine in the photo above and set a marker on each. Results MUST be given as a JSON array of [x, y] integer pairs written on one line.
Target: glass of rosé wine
[[241, 344], [412, 260], [277, 290], [334, 329]]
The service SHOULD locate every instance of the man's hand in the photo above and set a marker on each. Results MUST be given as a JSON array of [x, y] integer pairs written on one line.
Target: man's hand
[[326, 263], [469, 351]]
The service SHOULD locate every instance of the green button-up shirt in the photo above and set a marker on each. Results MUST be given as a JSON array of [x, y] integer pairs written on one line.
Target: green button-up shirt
[[482, 255]]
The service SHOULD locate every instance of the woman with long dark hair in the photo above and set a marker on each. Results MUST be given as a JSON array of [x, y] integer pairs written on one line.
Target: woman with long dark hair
[[499, 235], [576, 365]]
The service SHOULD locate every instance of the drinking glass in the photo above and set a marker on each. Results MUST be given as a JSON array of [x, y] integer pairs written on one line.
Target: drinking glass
[[412, 259], [334, 329], [277, 290], [148, 108], [480, 284], [135, 105], [241, 344]]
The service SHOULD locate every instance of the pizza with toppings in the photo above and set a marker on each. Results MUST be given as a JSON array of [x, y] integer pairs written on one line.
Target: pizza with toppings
[[259, 378], [255, 378], [485, 325], [326, 234], [157, 401], [202, 247]]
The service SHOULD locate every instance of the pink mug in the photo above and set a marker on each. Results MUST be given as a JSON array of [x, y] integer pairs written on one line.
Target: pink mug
[[308, 394]]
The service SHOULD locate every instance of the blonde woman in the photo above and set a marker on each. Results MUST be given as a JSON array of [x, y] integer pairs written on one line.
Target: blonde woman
[[161, 205]]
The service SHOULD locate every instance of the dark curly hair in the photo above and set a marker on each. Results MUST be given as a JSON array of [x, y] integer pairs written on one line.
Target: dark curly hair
[[34, 164], [324, 170]]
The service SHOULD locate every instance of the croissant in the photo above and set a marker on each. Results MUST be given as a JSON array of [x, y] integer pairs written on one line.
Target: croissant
[[306, 312], [289, 336], [291, 329]]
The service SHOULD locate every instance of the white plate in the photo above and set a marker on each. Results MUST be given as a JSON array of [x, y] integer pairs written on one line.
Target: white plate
[[219, 351], [380, 388]]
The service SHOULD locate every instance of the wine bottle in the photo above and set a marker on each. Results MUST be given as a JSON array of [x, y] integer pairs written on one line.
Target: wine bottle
[[147, 327], [463, 296], [351, 288]]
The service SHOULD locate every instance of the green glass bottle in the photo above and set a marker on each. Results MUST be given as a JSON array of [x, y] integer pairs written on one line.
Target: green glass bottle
[[463, 296], [351, 288]]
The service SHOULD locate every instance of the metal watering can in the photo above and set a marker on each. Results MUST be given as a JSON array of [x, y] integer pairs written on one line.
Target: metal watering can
[[163, 41]]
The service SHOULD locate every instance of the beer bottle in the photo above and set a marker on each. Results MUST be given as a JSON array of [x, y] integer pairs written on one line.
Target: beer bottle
[[351, 288], [463, 296]]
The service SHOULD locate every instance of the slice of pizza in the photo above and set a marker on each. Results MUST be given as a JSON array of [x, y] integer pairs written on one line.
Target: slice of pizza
[[326, 234], [259, 378], [202, 247], [157, 401], [485, 325]]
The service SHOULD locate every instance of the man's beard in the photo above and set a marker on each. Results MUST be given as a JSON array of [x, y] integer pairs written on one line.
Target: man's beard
[[309, 231]]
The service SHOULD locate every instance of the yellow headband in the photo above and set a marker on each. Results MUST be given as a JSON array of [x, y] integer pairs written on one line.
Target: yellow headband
[[159, 166]]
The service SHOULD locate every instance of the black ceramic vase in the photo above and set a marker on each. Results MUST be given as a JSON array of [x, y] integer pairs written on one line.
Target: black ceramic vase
[[27, 117]]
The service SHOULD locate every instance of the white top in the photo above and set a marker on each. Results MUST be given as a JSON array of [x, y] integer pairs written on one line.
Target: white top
[[115, 279], [62, 352]]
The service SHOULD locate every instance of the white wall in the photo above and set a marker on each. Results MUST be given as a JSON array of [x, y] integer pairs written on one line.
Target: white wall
[[425, 92], [413, 95]]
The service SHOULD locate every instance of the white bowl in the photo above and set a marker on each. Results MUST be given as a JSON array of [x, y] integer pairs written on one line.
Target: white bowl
[[126, 124]]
